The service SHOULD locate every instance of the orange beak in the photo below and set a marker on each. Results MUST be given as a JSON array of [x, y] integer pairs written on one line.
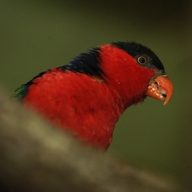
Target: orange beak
[[161, 88]]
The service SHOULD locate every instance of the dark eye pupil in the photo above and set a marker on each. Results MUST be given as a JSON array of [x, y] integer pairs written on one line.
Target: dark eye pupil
[[142, 60]]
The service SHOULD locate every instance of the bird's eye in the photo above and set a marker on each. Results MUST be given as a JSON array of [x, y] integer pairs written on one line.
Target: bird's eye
[[142, 60]]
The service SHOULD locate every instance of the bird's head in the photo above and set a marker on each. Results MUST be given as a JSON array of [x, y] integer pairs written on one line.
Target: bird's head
[[136, 72]]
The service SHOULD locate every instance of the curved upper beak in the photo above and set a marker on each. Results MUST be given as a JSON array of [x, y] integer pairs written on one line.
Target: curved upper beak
[[160, 88]]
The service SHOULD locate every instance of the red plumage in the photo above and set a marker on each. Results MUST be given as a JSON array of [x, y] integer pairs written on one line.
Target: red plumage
[[89, 106]]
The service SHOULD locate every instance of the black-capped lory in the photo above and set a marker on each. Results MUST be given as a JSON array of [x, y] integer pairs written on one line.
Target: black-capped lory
[[87, 96]]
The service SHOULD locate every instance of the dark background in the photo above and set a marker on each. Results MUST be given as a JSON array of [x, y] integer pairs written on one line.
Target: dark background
[[37, 35]]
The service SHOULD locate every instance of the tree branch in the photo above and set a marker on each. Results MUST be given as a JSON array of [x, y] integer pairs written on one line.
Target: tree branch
[[37, 157]]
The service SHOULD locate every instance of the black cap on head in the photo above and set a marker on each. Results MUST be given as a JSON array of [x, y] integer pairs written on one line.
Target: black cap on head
[[139, 51]]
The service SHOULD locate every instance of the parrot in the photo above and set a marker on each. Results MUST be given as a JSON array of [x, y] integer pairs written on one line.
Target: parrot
[[87, 96]]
